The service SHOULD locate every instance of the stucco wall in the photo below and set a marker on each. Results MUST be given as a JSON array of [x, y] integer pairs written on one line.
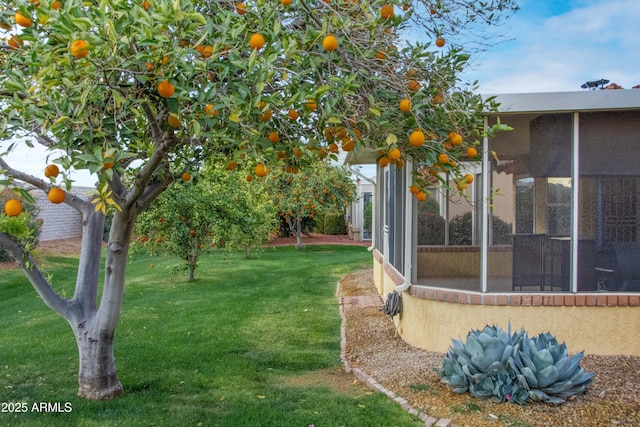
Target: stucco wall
[[598, 323]]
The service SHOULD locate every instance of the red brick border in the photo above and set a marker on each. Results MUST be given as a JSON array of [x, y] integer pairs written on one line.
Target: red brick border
[[556, 299]]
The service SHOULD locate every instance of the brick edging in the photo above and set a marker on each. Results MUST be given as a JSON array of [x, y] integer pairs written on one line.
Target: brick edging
[[595, 299], [370, 382]]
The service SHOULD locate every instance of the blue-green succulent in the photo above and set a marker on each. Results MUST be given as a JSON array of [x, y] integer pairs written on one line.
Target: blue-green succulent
[[510, 367]]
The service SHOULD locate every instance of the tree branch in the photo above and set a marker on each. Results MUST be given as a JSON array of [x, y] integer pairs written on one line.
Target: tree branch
[[35, 276], [75, 202]]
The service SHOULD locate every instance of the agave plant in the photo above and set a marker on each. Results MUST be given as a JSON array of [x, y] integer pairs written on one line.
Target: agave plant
[[544, 367], [510, 367], [480, 365]]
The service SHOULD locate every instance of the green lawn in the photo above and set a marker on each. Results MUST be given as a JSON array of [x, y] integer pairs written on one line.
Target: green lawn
[[248, 343]]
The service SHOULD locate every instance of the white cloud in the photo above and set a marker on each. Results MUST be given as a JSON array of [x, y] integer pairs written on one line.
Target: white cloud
[[559, 53]]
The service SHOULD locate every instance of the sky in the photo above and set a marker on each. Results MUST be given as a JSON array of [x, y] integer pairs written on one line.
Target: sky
[[556, 46], [548, 46]]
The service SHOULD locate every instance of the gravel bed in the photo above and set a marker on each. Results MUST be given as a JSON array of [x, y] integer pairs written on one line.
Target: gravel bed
[[372, 344]]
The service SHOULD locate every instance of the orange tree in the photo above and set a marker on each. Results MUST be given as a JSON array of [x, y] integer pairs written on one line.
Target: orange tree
[[140, 92], [316, 188], [216, 208]]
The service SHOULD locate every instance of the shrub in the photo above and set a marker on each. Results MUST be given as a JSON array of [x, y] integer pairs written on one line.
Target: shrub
[[509, 367], [34, 223], [334, 223]]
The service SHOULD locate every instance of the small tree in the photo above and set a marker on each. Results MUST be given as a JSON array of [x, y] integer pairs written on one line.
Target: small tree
[[317, 188], [216, 208], [183, 223]]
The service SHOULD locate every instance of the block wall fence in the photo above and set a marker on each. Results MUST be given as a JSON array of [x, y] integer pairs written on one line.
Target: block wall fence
[[59, 221]]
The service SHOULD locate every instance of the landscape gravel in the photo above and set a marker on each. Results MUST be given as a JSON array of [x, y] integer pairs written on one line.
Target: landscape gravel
[[372, 345]]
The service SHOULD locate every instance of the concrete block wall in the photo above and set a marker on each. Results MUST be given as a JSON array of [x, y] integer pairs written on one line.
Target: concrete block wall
[[59, 221]]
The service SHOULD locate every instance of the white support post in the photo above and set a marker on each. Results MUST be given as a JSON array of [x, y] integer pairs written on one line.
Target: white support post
[[485, 209], [575, 188]]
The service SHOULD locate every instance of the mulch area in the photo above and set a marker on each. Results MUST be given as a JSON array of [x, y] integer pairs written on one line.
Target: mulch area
[[317, 239]]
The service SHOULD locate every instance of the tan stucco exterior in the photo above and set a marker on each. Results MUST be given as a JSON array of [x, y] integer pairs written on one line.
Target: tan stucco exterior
[[431, 325]]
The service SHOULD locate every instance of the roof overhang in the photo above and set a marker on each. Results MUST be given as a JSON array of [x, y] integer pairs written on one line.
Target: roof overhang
[[362, 156], [558, 102]]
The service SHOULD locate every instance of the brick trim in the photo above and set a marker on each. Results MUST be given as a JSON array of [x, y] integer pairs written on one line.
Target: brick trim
[[556, 299]]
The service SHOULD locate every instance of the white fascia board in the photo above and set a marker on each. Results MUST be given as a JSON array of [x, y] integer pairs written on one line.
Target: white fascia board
[[587, 100]]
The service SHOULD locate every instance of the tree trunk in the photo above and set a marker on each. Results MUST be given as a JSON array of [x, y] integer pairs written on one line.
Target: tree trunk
[[299, 244], [97, 376]]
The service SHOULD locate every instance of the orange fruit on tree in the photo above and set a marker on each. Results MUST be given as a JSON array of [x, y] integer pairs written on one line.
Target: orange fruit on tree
[[461, 185], [107, 162], [405, 105], [413, 85], [437, 99], [241, 8], [286, 2], [421, 196], [381, 54], [256, 41], [22, 20], [311, 105], [293, 115], [439, 41], [394, 154], [266, 116], [330, 43], [174, 121], [207, 51], [56, 195], [56, 5], [455, 138], [348, 144], [383, 161], [210, 111], [333, 147], [186, 176], [468, 178], [400, 163], [13, 207], [443, 158], [414, 189], [297, 152], [274, 137], [79, 48], [386, 12], [472, 153], [15, 42], [166, 89], [416, 138], [146, 5], [232, 165], [281, 154], [51, 171], [261, 170]]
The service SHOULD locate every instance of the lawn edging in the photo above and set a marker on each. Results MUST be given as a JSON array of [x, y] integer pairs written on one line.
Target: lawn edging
[[371, 382]]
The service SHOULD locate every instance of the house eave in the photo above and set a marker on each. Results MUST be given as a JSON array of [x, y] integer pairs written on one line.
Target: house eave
[[583, 101]]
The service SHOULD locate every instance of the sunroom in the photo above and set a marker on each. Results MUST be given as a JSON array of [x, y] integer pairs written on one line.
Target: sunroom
[[550, 221]]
